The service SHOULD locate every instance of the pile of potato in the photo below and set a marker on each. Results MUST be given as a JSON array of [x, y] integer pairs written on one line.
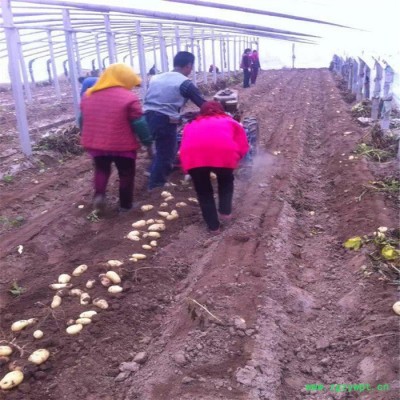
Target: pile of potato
[[149, 229]]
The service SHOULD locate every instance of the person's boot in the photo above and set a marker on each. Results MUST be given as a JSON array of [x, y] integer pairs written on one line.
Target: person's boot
[[99, 202]]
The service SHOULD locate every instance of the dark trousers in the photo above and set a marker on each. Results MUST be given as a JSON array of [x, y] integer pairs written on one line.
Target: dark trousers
[[205, 193], [126, 172], [254, 73], [164, 135], [246, 77]]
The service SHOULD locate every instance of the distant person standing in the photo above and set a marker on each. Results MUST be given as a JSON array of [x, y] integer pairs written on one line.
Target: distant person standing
[[167, 94], [153, 70], [245, 65], [255, 66]]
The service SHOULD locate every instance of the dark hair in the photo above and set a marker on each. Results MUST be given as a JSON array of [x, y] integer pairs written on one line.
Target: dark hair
[[247, 50], [210, 108], [81, 79], [183, 58]]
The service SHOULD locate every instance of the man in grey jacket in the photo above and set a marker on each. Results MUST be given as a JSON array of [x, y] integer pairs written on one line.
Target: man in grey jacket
[[166, 95]]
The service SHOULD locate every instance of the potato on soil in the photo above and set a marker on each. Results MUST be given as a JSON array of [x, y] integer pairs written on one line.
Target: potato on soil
[[113, 277], [22, 324], [87, 314], [139, 256], [115, 263], [83, 321], [147, 207], [78, 271], [115, 289], [139, 224], [101, 303], [11, 380], [38, 334], [58, 286], [147, 247], [56, 301], [90, 283], [64, 278], [5, 350], [39, 356], [74, 329], [157, 228]]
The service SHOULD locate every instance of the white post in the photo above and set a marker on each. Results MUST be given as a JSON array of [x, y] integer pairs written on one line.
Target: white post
[[15, 77], [54, 67], [114, 38], [377, 91], [71, 62], [177, 39], [163, 51], [228, 55], [27, 86], [98, 53], [221, 52], [213, 56], [78, 57], [142, 58], [235, 61], [110, 41], [130, 51], [203, 49], [154, 51], [192, 49]]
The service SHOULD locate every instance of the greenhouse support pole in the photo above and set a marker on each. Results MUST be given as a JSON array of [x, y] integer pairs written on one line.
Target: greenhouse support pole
[[213, 57], [228, 55], [110, 39], [25, 78], [199, 56], [377, 92], [203, 49], [360, 82], [130, 51], [142, 57], [154, 51], [98, 53], [15, 77], [221, 54], [355, 77], [115, 48], [78, 57], [194, 71], [387, 98], [71, 62], [163, 49], [177, 39], [53, 66], [235, 62], [293, 55], [172, 52]]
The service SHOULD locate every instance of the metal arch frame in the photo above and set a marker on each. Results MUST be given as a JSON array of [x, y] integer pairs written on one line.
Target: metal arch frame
[[108, 32]]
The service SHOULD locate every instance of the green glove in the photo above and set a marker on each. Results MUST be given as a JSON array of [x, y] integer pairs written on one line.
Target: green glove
[[142, 131]]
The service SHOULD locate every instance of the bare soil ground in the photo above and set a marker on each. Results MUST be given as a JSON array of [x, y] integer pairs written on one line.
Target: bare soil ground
[[285, 305]]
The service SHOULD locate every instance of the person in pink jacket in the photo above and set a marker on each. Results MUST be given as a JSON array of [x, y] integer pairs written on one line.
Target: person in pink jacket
[[213, 142]]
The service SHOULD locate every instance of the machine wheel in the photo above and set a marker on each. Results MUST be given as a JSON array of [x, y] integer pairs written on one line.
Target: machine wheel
[[250, 125]]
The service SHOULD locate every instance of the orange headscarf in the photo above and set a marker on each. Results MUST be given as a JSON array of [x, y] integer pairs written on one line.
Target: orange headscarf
[[116, 75]]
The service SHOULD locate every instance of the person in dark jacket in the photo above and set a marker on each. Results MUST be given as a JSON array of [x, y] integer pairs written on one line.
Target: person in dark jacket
[[112, 125], [246, 65], [167, 94], [255, 66]]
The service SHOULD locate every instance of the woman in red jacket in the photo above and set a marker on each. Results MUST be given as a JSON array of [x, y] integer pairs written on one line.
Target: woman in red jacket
[[213, 142], [111, 122]]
